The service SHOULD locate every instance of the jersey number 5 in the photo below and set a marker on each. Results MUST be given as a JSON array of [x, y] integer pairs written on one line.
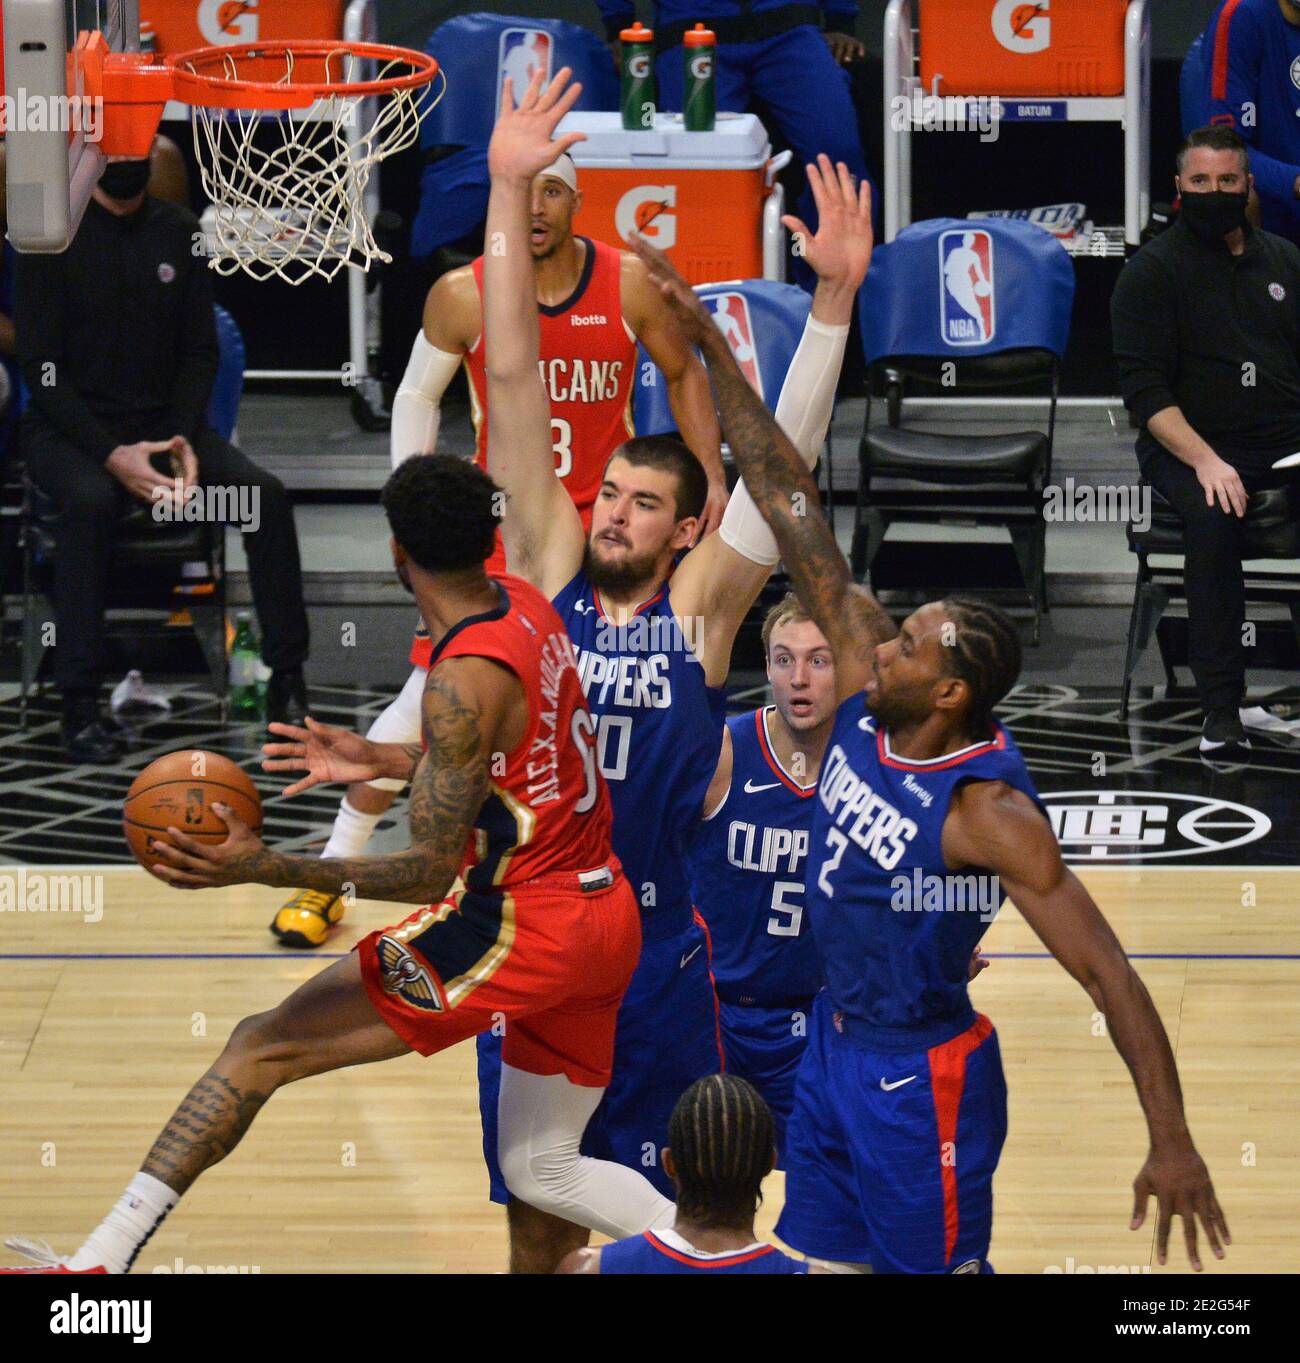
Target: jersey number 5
[[779, 891]]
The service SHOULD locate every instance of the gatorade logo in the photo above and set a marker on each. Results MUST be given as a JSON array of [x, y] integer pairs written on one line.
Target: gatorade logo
[[702, 66], [645, 210], [639, 66], [228, 21], [1023, 27]]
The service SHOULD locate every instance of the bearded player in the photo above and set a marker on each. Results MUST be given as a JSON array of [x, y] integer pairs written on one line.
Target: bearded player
[[530, 919], [900, 1103], [594, 305], [653, 641]]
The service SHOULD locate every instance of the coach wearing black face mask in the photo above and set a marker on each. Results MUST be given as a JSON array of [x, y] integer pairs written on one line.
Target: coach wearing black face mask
[[118, 345], [1206, 329]]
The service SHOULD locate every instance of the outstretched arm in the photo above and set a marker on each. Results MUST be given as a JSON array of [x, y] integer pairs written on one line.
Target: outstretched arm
[[993, 826], [466, 715], [541, 531], [780, 482]]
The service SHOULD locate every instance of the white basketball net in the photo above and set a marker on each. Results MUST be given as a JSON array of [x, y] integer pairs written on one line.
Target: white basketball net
[[288, 186]]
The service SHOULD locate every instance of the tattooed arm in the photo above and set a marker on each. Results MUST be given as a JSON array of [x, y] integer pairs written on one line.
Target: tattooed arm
[[784, 490], [472, 708]]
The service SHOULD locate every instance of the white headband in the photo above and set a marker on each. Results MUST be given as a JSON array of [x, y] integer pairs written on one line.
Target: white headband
[[562, 168]]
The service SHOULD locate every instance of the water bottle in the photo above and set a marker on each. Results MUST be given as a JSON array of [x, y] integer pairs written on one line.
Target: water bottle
[[244, 656], [699, 47], [638, 102]]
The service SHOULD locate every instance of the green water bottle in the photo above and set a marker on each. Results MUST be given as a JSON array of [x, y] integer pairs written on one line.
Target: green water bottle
[[638, 65], [699, 48], [244, 656]]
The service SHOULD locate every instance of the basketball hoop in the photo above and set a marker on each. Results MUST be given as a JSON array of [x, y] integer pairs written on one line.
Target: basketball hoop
[[294, 206]]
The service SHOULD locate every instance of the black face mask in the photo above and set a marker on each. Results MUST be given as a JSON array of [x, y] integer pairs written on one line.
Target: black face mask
[[124, 179], [1212, 216]]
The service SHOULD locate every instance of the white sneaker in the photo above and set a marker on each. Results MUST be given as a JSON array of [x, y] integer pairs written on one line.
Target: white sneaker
[[131, 693]]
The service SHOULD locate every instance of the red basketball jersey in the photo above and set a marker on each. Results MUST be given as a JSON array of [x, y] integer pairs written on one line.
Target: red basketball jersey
[[548, 810], [588, 362]]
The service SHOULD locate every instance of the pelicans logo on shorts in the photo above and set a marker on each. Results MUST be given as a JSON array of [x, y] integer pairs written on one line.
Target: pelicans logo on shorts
[[406, 977], [966, 291]]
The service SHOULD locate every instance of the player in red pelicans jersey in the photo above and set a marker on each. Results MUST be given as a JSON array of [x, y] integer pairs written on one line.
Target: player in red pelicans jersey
[[530, 920], [594, 306]]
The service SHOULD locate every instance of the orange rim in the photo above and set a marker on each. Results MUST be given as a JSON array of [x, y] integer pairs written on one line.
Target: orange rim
[[202, 75]]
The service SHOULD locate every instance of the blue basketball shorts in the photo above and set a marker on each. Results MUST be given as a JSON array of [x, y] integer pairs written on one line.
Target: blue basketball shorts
[[765, 1046], [890, 1156]]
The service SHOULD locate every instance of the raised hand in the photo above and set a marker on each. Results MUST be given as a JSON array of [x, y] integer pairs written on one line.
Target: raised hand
[[325, 751], [522, 142], [839, 252]]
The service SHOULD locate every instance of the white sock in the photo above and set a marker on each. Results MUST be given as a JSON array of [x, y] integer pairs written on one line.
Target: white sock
[[351, 832], [124, 1232]]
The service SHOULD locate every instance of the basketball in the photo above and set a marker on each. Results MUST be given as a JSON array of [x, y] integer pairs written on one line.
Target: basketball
[[178, 791]]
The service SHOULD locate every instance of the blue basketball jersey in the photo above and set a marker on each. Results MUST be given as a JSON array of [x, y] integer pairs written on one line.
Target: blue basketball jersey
[[648, 1253], [747, 864], [895, 927], [659, 732]]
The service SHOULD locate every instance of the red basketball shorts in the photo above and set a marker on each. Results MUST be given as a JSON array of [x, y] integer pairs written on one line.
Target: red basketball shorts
[[546, 962]]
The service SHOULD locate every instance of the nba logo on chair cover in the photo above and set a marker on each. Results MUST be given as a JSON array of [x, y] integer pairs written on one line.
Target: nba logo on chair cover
[[523, 52], [967, 291], [731, 313]]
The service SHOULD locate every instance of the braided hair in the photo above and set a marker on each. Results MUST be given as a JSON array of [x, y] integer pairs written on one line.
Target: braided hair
[[984, 652], [720, 1135]]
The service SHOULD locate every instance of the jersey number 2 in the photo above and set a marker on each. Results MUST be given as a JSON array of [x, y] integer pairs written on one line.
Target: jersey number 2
[[836, 842]]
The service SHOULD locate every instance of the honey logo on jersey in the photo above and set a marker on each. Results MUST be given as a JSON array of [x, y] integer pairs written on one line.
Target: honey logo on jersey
[[967, 290], [731, 313], [522, 53], [646, 209]]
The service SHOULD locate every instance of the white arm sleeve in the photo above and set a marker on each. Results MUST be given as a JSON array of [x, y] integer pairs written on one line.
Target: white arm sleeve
[[804, 414], [415, 408]]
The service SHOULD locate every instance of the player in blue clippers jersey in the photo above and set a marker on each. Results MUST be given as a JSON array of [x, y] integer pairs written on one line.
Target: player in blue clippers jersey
[[654, 650], [747, 861], [925, 817], [719, 1152]]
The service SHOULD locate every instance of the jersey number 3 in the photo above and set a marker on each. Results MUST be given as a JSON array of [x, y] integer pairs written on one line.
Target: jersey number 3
[[562, 445]]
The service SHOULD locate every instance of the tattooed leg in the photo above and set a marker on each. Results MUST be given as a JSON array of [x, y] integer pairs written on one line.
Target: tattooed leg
[[325, 1024]]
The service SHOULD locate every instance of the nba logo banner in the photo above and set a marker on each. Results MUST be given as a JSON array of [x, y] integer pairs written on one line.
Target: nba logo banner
[[967, 288], [522, 53], [731, 313]]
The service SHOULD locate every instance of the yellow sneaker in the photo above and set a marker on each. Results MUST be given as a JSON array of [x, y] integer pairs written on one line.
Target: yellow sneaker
[[305, 920]]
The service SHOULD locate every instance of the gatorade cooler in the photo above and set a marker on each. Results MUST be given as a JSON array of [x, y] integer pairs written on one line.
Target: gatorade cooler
[[1022, 47], [698, 196], [183, 24]]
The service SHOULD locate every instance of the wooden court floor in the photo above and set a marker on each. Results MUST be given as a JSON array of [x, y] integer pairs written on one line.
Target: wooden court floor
[[104, 1025]]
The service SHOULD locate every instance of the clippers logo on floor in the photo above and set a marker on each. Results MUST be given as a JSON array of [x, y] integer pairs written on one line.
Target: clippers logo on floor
[[1119, 825], [731, 313], [522, 53], [967, 290]]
